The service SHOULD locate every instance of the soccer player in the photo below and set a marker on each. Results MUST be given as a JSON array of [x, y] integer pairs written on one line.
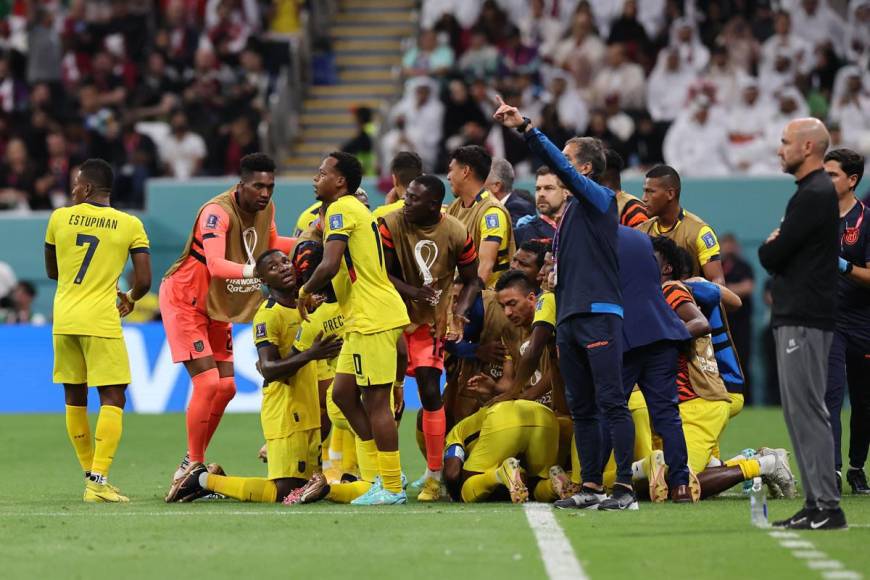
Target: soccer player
[[661, 194], [86, 249], [589, 300], [290, 413], [850, 349], [375, 317], [551, 196], [632, 211], [405, 167], [423, 249], [529, 259], [486, 219], [482, 452], [213, 284], [307, 218]]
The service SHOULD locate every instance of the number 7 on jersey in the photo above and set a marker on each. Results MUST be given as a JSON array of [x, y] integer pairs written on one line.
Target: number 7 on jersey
[[92, 242]]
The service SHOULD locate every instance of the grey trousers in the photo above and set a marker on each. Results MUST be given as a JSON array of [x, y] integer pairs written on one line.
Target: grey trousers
[[802, 365]]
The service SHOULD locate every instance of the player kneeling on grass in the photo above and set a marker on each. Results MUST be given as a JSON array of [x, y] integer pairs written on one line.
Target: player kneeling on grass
[[482, 452], [290, 414]]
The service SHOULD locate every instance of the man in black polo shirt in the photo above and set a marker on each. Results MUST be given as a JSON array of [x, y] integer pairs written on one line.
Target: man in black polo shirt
[[802, 256], [850, 351], [589, 306]]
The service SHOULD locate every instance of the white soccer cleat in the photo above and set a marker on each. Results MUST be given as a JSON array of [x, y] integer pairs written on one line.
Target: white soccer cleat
[[782, 477]]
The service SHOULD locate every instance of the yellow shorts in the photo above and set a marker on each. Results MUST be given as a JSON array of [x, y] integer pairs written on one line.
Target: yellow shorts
[[335, 415], [536, 447], [91, 360], [736, 403], [297, 455], [703, 423], [371, 358]]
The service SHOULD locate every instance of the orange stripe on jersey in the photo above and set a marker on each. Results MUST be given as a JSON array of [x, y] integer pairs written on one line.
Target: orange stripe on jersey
[[633, 214], [469, 252], [676, 295], [386, 236]]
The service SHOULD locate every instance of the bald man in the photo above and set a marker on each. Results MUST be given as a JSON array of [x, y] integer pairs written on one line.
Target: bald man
[[802, 257]]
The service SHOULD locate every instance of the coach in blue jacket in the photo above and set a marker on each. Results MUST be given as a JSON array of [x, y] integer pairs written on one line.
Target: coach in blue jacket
[[589, 307], [652, 336]]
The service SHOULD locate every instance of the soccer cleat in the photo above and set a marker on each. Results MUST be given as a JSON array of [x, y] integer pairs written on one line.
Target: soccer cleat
[[112, 487], [858, 481], [821, 519], [316, 489], [585, 500], [562, 484], [418, 484], [375, 488], [103, 493], [205, 494], [182, 467], [622, 498], [187, 486], [658, 483], [694, 486], [796, 519], [510, 476], [293, 497], [382, 497], [782, 476], [432, 491]]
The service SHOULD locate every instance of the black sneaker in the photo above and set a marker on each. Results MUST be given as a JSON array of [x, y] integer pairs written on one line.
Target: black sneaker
[[822, 519], [622, 498], [187, 488], [858, 480], [585, 500], [796, 519]]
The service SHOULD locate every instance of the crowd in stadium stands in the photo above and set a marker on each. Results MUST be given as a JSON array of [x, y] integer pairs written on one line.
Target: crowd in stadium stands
[[705, 86], [158, 88]]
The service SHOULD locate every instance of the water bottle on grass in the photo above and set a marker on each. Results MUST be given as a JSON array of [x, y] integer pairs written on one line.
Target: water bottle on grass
[[758, 504]]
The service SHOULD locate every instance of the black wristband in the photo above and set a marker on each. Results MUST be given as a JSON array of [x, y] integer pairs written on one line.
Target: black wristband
[[522, 128]]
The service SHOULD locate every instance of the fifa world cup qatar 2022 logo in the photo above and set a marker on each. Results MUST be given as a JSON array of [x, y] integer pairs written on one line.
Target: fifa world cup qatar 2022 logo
[[246, 285], [425, 253]]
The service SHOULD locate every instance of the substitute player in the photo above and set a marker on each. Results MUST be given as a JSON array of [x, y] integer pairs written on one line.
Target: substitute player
[[423, 249], [212, 285], [632, 211], [290, 414], [405, 167], [375, 317], [86, 249]]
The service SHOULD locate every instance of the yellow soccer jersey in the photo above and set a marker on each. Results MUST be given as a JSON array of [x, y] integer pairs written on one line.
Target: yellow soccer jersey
[[545, 310], [380, 212], [92, 243], [703, 245], [307, 217], [375, 305], [293, 404], [494, 227], [329, 320], [467, 432]]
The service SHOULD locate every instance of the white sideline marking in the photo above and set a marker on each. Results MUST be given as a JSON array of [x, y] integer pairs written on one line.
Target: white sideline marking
[[841, 575], [558, 556], [289, 512], [825, 564], [800, 544], [784, 535], [814, 559], [809, 554]]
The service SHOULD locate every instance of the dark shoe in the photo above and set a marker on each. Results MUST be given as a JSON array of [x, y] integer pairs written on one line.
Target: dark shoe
[[585, 500], [622, 498], [682, 494], [833, 519], [858, 480], [801, 516], [187, 488]]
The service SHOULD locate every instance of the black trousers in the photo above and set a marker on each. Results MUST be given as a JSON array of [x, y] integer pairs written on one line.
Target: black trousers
[[849, 362]]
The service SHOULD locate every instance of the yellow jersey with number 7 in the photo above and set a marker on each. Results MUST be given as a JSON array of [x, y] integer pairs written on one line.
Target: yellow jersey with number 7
[[92, 242]]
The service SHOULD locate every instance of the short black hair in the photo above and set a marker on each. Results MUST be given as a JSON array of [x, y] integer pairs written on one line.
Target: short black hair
[[28, 288], [669, 174], [98, 173], [613, 160], [538, 248], [255, 162], [589, 150], [363, 114], [406, 166], [851, 162], [670, 253], [475, 157], [262, 258], [543, 170], [350, 168], [514, 278], [434, 185]]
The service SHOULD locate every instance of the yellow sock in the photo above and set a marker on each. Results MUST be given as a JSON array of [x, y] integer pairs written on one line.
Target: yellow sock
[[479, 487], [367, 457], [255, 489], [390, 468], [79, 432], [544, 491], [348, 452], [107, 436], [347, 492], [749, 467]]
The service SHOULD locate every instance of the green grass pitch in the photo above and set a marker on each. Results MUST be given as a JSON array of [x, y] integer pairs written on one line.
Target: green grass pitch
[[47, 532]]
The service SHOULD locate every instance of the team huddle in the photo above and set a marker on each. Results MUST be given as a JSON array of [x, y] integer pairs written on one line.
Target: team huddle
[[587, 352]]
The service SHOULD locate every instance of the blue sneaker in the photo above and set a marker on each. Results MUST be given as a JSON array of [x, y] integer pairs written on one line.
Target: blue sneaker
[[375, 488], [748, 453], [417, 485], [382, 497]]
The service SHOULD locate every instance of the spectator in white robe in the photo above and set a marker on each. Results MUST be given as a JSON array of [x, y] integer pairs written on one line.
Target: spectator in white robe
[[785, 42], [858, 32], [850, 107], [423, 112], [684, 37], [817, 23], [745, 125], [695, 143], [570, 106], [668, 86], [622, 77]]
